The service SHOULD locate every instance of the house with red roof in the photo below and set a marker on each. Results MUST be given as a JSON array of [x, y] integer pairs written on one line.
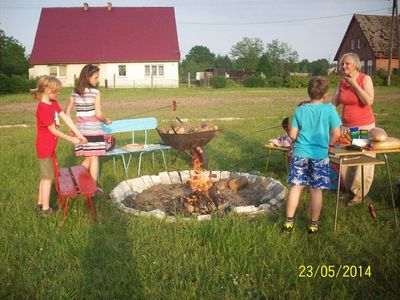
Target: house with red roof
[[369, 37], [133, 46]]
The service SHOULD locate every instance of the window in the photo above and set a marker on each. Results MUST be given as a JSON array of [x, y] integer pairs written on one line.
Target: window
[[147, 70], [369, 69], [58, 71], [362, 66], [352, 44], [121, 70], [358, 44], [160, 70], [156, 70]]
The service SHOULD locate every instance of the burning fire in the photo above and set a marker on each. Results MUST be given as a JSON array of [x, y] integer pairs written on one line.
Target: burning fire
[[200, 182], [203, 199]]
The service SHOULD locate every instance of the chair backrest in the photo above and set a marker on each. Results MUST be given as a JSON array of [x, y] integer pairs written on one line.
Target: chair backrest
[[130, 125]]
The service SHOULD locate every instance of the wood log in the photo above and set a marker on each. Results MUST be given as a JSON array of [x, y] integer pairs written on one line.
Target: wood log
[[222, 184], [237, 184]]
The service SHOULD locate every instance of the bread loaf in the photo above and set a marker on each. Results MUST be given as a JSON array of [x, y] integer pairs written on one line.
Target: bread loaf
[[378, 134], [389, 143]]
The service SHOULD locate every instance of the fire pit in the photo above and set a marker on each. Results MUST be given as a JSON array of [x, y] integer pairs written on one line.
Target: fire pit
[[198, 194]]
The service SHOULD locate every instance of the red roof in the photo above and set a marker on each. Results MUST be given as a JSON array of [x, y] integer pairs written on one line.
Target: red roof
[[124, 34]]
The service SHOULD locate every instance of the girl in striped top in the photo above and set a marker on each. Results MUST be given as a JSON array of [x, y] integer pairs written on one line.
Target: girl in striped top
[[86, 99]]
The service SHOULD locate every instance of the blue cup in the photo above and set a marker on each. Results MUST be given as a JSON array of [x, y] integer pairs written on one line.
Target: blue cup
[[354, 133]]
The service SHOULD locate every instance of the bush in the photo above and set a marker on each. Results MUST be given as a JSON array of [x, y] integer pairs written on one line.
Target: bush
[[333, 80], [395, 79], [275, 81], [231, 84], [218, 82], [254, 82], [15, 84], [379, 78], [296, 81]]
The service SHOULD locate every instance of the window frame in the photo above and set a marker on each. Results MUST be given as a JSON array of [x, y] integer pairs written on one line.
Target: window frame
[[155, 70], [119, 71], [58, 69]]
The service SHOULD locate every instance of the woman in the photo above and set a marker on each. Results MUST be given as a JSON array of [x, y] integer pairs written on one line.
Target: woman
[[355, 92], [88, 116]]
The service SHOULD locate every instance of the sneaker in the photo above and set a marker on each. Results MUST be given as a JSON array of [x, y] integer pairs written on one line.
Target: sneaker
[[313, 229], [39, 207], [98, 192], [46, 212], [355, 201], [288, 226]]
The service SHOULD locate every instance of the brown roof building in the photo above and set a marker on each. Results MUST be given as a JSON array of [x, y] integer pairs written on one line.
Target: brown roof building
[[369, 37]]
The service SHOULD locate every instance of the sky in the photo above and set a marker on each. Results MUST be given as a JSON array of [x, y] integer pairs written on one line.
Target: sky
[[314, 28]]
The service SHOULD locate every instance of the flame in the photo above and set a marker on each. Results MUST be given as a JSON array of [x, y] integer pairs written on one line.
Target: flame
[[199, 181]]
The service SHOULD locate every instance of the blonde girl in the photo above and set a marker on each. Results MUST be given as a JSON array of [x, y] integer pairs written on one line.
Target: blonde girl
[[48, 114]]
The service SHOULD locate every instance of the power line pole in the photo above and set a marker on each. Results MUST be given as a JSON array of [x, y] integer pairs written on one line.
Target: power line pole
[[395, 17]]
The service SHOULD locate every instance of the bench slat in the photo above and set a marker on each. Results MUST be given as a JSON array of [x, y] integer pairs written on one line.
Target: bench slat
[[85, 182], [66, 184]]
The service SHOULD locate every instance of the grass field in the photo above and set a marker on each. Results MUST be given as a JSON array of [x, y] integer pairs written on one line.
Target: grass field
[[125, 257]]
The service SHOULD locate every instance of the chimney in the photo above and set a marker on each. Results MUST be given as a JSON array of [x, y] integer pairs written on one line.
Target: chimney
[[109, 6], [85, 6]]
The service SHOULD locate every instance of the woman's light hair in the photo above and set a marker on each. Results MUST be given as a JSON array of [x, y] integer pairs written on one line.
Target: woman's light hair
[[50, 82], [354, 57]]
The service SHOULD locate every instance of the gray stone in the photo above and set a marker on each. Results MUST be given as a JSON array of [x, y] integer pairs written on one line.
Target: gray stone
[[147, 181], [225, 174], [265, 207], [245, 209], [157, 213], [175, 178], [203, 217], [165, 179], [252, 178], [185, 176], [137, 184], [156, 179]]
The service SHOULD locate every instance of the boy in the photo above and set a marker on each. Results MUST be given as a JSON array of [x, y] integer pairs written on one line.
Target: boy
[[310, 131]]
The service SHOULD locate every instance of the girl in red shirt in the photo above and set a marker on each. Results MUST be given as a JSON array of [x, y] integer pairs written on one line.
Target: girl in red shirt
[[48, 113]]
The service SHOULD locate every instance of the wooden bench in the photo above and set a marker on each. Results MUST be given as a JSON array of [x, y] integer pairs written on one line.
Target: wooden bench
[[134, 126], [72, 182]]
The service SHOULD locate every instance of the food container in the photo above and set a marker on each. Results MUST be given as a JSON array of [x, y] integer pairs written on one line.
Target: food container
[[364, 134], [360, 142], [354, 133]]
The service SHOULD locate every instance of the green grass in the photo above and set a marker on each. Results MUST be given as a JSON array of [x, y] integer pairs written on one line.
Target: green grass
[[121, 256]]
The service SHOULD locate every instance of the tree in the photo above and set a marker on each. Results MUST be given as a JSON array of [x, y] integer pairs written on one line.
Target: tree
[[246, 53], [198, 59], [201, 55], [282, 58], [319, 67], [12, 56], [264, 65], [223, 62]]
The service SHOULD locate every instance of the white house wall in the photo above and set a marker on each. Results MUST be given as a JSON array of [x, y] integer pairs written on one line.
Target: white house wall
[[135, 75]]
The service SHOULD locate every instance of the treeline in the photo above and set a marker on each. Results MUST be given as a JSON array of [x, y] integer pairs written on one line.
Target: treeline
[[13, 66], [275, 59], [275, 64]]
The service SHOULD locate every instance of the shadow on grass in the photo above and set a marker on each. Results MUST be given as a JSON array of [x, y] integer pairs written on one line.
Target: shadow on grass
[[108, 262]]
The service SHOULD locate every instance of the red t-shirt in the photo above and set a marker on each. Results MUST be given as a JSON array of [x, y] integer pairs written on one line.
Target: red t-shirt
[[46, 115], [354, 112]]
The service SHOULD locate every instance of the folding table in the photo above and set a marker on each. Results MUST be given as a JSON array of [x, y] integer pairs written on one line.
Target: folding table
[[351, 158]]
